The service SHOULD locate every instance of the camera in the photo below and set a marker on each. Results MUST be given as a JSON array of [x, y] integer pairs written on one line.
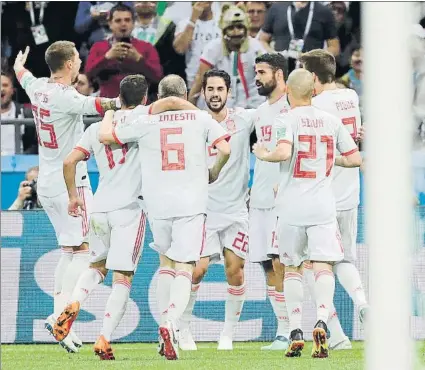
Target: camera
[[31, 201]]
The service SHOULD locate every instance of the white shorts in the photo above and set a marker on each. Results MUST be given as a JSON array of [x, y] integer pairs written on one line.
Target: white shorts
[[181, 239], [347, 222], [70, 231], [262, 238], [228, 231], [118, 237], [320, 243]]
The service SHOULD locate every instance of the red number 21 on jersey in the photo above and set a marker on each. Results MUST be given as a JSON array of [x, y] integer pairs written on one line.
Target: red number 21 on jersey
[[167, 147], [312, 154]]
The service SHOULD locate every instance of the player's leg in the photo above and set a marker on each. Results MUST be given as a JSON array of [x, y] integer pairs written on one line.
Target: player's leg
[[114, 312], [100, 241], [210, 253], [54, 210], [292, 254], [235, 241], [347, 273], [325, 248], [185, 252]]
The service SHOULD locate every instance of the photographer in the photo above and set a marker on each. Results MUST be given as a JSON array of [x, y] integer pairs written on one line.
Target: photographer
[[109, 61], [27, 193]]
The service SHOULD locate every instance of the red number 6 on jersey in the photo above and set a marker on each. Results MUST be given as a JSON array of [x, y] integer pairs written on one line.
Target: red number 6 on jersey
[[167, 147]]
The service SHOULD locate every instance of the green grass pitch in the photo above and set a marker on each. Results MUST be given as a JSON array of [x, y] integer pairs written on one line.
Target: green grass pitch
[[245, 356]]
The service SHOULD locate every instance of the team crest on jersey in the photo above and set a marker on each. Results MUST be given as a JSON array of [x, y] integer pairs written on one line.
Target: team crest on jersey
[[284, 110], [231, 126]]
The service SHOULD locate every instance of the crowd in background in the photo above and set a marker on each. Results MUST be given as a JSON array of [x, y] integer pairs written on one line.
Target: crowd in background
[[161, 38]]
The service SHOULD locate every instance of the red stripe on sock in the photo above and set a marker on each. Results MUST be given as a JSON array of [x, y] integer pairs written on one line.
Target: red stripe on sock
[[167, 272], [323, 273], [293, 276], [185, 274], [123, 282], [279, 297], [102, 277], [195, 288], [66, 250], [271, 293], [237, 291]]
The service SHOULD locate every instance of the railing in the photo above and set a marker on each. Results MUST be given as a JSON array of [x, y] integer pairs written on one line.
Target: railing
[[18, 122]]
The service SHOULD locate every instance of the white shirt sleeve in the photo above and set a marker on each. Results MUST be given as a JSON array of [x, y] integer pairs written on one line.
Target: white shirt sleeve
[[211, 53], [215, 133], [72, 102], [344, 142], [85, 143], [130, 130]]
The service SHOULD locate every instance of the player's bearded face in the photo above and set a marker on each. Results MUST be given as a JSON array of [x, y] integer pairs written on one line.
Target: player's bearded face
[[266, 86], [215, 94]]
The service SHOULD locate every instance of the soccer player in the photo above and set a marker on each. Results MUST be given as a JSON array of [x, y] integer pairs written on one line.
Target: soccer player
[[175, 179], [58, 110], [270, 69], [343, 103], [227, 214], [117, 223], [305, 204]]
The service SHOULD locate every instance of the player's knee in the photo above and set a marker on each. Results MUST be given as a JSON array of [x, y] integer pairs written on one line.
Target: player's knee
[[164, 261], [199, 272], [123, 275], [278, 267], [267, 266], [100, 266], [82, 247]]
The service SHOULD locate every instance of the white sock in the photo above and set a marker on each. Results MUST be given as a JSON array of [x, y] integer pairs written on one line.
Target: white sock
[[64, 261], [270, 293], [309, 278], [349, 277], [234, 303], [334, 326], [165, 279], [187, 314], [282, 315], [80, 262], [294, 294], [179, 295], [85, 284], [115, 307], [324, 292]]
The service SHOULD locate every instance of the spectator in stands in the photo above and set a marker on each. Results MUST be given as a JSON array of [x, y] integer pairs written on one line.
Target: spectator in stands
[[345, 36], [111, 60], [353, 78], [91, 21], [158, 31], [257, 15], [192, 34], [299, 26], [27, 192], [12, 110], [234, 53], [84, 85]]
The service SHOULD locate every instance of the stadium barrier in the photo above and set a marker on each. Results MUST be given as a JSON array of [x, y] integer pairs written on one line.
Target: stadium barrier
[[29, 256]]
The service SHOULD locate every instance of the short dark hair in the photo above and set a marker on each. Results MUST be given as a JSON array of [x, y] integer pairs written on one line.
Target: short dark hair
[[120, 8], [321, 63], [216, 73], [275, 61], [9, 75], [133, 89], [58, 53]]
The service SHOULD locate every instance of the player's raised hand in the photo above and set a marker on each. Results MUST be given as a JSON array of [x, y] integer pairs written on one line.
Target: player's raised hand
[[76, 207], [21, 59]]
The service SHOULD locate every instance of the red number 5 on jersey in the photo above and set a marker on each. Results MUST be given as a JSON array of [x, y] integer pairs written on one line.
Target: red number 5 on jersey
[[166, 148], [39, 115], [312, 154]]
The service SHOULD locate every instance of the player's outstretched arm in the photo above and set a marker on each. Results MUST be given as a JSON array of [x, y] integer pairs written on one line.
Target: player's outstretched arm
[[349, 159], [282, 152], [223, 156], [75, 205], [171, 103]]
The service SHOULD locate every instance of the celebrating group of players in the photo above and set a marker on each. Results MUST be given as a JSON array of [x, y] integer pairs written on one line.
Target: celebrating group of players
[[187, 172]]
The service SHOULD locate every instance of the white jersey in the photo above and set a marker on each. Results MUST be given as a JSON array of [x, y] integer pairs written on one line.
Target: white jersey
[[229, 193], [240, 67], [173, 158], [204, 32], [305, 197], [266, 174], [58, 111], [343, 103], [120, 175]]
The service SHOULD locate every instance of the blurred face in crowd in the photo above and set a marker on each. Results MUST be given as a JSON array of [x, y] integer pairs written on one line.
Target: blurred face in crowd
[[7, 91], [265, 79], [357, 60], [206, 6], [121, 24], [145, 8], [257, 14], [338, 9], [83, 85], [216, 94], [235, 35]]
